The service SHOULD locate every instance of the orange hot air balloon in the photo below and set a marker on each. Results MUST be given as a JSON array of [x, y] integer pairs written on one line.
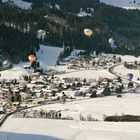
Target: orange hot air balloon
[[31, 58]]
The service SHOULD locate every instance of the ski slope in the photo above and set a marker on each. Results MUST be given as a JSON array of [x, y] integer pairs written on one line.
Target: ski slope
[[48, 55], [19, 3]]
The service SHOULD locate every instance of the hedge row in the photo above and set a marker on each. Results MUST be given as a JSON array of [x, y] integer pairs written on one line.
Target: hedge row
[[123, 118]]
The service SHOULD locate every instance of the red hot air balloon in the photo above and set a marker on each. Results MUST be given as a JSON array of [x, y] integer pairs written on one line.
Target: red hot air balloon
[[31, 58]]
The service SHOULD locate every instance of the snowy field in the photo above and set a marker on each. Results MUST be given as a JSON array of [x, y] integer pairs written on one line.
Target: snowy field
[[32, 129], [98, 107], [14, 73], [89, 74], [128, 58]]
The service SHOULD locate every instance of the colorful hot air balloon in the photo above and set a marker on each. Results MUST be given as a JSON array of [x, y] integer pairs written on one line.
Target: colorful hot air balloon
[[88, 32], [114, 46], [129, 76], [111, 41], [31, 58]]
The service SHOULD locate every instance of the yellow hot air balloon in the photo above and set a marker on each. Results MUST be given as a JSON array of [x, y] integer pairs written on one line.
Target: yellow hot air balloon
[[88, 32]]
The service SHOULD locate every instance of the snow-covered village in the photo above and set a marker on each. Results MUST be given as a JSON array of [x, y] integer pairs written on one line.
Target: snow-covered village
[[70, 92], [69, 80]]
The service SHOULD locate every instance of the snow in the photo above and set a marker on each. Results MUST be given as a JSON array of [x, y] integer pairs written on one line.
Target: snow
[[44, 129], [122, 3], [98, 107], [15, 129], [14, 73], [47, 56], [19, 3], [124, 71], [57, 6], [41, 34], [47, 129], [128, 58], [89, 74], [83, 13]]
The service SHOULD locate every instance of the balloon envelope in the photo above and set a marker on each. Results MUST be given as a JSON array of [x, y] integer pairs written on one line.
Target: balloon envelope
[[113, 46], [6, 63], [31, 58], [129, 76], [88, 32], [111, 41]]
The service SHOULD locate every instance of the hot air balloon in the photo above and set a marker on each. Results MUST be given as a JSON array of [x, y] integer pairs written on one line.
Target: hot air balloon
[[41, 34], [88, 32], [111, 41], [99, 79], [6, 63], [114, 46], [31, 58], [129, 76]]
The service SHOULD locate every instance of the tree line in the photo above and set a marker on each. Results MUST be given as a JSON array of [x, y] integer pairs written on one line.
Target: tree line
[[17, 45], [65, 28]]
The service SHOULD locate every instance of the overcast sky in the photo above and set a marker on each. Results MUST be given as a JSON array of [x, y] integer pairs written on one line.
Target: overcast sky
[[122, 3]]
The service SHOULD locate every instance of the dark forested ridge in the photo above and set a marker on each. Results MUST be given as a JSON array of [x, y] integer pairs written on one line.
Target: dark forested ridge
[[63, 26], [16, 45], [67, 5]]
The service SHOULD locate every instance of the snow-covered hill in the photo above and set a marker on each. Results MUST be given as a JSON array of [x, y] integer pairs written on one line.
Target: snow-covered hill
[[128, 4], [19, 3]]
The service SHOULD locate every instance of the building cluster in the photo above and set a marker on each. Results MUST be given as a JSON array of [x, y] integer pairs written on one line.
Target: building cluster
[[39, 89], [100, 62], [132, 65]]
